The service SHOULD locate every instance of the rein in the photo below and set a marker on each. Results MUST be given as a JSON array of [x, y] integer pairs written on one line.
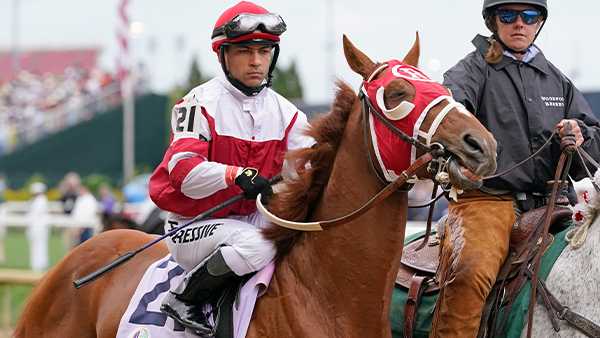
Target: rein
[[506, 171], [568, 148], [562, 170], [379, 197], [434, 152]]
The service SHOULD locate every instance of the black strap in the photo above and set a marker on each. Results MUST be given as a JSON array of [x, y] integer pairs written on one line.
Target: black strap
[[368, 143], [586, 326]]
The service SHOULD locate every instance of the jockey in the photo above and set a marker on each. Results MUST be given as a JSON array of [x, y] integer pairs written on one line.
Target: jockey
[[229, 136], [521, 98]]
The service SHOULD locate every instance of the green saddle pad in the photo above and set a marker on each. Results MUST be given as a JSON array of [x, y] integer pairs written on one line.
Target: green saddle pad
[[517, 316]]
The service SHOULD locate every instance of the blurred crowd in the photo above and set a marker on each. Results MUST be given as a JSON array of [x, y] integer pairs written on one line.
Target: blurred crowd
[[77, 202], [34, 105], [420, 194]]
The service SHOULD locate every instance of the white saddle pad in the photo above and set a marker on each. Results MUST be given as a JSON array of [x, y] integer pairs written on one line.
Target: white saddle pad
[[143, 318]]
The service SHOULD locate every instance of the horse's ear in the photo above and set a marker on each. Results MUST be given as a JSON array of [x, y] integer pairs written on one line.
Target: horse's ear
[[412, 58], [357, 60]]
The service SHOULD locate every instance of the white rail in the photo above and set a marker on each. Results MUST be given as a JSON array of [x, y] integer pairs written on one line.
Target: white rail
[[14, 214]]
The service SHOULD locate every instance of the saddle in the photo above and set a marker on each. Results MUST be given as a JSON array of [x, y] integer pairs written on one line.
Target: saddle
[[417, 275], [514, 273], [418, 267]]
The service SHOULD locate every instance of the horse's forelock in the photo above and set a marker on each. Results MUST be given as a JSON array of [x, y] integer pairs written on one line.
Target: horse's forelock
[[300, 195]]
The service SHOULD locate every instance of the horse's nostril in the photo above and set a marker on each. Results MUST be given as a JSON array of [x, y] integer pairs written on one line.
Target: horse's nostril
[[472, 143]]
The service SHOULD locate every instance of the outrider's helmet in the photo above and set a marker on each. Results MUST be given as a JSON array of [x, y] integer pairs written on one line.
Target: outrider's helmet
[[489, 11]]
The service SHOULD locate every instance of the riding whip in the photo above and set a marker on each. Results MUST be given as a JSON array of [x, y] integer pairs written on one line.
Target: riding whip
[[130, 254]]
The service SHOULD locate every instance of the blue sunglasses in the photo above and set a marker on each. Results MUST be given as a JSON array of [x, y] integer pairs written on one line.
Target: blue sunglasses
[[529, 16]]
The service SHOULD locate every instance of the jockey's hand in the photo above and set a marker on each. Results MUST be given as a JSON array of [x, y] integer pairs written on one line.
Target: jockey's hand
[[574, 130], [253, 184]]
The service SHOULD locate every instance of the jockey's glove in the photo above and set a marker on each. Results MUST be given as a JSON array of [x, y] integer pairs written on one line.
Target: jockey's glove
[[253, 184]]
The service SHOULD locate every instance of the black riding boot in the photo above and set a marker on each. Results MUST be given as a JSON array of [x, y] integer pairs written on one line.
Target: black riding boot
[[202, 285]]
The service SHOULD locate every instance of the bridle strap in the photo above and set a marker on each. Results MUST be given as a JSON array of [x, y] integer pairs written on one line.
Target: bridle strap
[[439, 118], [395, 130], [562, 312], [377, 71], [379, 197], [368, 142]]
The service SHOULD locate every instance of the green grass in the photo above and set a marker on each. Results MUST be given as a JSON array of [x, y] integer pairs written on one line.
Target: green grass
[[17, 257]]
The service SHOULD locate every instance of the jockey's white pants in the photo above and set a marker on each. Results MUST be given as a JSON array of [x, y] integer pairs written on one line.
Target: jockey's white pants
[[241, 242]]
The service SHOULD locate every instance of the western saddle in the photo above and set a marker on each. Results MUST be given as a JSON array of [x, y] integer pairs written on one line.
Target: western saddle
[[418, 268]]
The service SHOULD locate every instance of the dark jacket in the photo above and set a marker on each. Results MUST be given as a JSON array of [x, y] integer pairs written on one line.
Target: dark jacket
[[521, 103]]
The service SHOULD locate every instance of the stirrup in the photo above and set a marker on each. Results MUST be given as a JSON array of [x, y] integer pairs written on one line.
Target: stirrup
[[201, 326], [198, 289]]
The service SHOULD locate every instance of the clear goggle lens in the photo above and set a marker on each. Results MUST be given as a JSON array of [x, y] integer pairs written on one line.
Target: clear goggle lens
[[247, 23]]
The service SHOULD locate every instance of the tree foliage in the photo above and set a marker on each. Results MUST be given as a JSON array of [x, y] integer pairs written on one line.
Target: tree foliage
[[286, 81], [195, 77]]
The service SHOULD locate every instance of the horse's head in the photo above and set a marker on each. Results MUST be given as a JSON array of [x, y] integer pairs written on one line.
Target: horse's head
[[423, 109]]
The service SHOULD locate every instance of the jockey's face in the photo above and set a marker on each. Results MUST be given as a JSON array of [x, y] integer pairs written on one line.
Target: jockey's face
[[248, 64], [517, 35]]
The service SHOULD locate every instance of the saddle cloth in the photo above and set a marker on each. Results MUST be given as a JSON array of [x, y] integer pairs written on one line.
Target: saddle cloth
[[143, 318], [424, 313]]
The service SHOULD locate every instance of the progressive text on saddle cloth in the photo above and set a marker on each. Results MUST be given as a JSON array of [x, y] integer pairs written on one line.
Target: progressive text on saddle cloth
[[193, 234]]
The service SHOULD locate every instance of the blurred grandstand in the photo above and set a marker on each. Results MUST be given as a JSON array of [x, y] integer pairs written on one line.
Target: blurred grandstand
[[53, 90], [60, 112]]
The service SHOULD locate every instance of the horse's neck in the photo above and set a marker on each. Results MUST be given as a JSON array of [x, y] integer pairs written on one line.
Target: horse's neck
[[349, 270]]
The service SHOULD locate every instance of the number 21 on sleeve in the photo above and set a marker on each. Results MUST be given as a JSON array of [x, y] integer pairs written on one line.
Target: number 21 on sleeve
[[185, 121]]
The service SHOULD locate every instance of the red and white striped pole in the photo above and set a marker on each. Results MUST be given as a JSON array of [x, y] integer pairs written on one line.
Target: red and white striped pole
[[123, 40], [125, 73]]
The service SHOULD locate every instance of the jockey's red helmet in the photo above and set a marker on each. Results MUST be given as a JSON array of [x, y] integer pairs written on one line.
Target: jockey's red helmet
[[247, 23]]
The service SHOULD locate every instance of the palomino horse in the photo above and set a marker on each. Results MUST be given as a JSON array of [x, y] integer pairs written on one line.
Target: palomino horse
[[334, 283], [575, 280]]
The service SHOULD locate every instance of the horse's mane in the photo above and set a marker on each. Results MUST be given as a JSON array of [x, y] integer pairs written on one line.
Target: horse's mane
[[300, 194]]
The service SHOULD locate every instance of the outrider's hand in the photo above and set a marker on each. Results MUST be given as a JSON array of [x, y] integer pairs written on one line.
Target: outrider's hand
[[575, 130]]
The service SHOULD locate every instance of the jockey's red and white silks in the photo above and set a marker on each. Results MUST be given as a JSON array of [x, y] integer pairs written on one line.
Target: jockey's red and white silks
[[393, 154], [216, 126]]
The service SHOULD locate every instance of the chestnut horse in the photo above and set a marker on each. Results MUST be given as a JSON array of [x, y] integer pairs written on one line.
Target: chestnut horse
[[333, 283]]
